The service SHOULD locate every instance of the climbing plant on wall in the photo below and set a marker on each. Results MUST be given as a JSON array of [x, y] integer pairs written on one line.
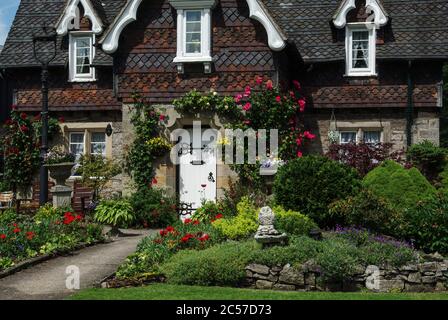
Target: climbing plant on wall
[[21, 147], [148, 145]]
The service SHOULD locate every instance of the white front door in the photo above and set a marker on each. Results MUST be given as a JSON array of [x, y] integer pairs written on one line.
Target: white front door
[[197, 168]]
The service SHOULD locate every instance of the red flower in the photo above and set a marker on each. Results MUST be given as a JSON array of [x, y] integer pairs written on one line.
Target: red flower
[[309, 135], [259, 80], [14, 107], [154, 181], [219, 216], [3, 236], [187, 237], [247, 106], [205, 237], [187, 221], [269, 85], [302, 104], [78, 217], [297, 84], [23, 116], [169, 229], [278, 99], [30, 235], [299, 141], [16, 230], [238, 98], [163, 233], [299, 154], [37, 117], [24, 128], [247, 91], [61, 119], [162, 117], [196, 222]]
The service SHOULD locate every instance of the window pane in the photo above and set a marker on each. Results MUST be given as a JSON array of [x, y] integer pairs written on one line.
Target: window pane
[[193, 27], [360, 49], [372, 136], [194, 37], [77, 138], [193, 16], [348, 137], [83, 55], [83, 43], [98, 137], [77, 145], [193, 48]]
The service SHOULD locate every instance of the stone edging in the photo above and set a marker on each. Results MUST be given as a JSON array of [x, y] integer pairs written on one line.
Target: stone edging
[[39, 259], [423, 277]]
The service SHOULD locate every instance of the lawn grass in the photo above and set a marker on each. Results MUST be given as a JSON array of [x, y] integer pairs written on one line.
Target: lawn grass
[[175, 292]]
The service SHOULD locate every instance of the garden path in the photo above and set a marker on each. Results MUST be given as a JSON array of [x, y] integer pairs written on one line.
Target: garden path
[[47, 280]]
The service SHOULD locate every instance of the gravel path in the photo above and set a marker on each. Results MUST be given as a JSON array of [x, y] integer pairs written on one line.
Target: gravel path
[[48, 279]]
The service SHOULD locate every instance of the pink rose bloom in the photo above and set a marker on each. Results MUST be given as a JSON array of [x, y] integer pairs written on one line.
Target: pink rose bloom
[[302, 104], [269, 85], [299, 154], [259, 80], [297, 84], [309, 135], [238, 98], [278, 99], [247, 106], [299, 141], [247, 91]]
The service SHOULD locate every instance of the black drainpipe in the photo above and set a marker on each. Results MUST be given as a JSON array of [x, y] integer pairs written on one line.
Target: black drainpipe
[[410, 106]]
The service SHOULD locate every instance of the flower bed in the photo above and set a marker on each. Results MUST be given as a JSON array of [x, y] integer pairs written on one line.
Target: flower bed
[[22, 238]]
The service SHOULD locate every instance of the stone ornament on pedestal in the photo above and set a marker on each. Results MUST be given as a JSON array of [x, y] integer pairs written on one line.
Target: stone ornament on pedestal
[[266, 233], [62, 194]]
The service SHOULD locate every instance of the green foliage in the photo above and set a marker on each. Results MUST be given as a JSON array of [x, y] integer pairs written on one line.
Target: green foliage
[[385, 254], [194, 103], [153, 207], [145, 148], [401, 187], [208, 211], [221, 265], [367, 210], [444, 180], [427, 223], [6, 263], [48, 212], [311, 183], [7, 216], [242, 225], [114, 212], [428, 158], [292, 222], [444, 114], [96, 171]]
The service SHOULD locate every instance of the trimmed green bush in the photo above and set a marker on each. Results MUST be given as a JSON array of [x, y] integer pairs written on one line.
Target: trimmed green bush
[[117, 213], [221, 265], [292, 222], [153, 208], [427, 224], [244, 224], [367, 210], [403, 188], [208, 212], [428, 158], [311, 183]]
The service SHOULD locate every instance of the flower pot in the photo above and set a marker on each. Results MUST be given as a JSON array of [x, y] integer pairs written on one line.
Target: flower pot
[[60, 171]]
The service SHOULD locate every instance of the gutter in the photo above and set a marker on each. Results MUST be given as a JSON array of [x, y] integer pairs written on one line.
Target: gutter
[[410, 105]]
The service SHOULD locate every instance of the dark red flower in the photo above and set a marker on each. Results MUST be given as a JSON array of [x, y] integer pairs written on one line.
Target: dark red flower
[[196, 222], [14, 107], [24, 128], [162, 117], [3, 236], [187, 221], [61, 119], [219, 216], [16, 230], [23, 116], [30, 235]]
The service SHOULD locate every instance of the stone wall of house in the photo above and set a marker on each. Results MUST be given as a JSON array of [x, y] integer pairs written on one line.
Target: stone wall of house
[[423, 277], [392, 122]]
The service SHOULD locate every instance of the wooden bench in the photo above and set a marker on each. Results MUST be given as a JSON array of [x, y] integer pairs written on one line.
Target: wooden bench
[[6, 200]]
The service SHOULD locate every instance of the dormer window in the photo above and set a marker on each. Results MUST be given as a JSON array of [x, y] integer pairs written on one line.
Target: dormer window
[[361, 20], [360, 49], [81, 56], [193, 33]]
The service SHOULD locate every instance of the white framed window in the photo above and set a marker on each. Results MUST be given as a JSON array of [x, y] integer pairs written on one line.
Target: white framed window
[[98, 143], [360, 49], [346, 137], [81, 55], [76, 144], [372, 136], [193, 33]]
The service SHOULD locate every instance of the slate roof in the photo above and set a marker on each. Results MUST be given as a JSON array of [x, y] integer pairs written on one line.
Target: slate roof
[[417, 29], [32, 15]]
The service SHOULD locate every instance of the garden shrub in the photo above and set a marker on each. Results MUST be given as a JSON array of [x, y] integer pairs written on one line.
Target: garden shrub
[[444, 180], [117, 213], [427, 224], [47, 211], [292, 222], [221, 265], [244, 224], [428, 158], [153, 208], [7, 216], [311, 183], [387, 253], [363, 156], [367, 210], [208, 211], [401, 187]]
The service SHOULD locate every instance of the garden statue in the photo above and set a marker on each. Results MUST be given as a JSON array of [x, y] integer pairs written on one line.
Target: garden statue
[[266, 233]]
